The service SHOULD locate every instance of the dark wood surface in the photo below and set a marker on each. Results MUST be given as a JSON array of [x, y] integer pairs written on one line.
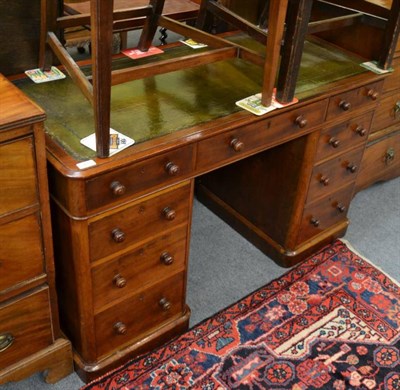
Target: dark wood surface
[[29, 327]]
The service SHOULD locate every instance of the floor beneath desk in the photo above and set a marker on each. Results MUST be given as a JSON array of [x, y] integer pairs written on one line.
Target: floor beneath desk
[[222, 274]]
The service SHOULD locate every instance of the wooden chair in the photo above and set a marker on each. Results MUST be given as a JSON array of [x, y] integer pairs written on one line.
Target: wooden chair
[[102, 19]]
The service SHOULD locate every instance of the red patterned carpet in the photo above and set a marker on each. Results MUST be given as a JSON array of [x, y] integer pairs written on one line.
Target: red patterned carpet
[[333, 322]]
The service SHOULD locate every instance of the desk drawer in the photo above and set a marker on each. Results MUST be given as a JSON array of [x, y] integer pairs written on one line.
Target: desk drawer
[[387, 112], [139, 315], [18, 181], [153, 172], [363, 97], [343, 136], [21, 252], [25, 327], [329, 176], [154, 261], [324, 213], [243, 141], [144, 219]]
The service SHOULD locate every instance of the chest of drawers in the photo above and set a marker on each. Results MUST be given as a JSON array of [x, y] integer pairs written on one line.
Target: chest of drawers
[[30, 338]]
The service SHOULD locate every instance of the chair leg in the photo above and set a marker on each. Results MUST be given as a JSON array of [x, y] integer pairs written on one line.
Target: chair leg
[[297, 19], [391, 36], [205, 19], [151, 24]]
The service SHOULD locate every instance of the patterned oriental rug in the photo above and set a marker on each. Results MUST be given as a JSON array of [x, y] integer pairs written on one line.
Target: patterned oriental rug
[[333, 322]]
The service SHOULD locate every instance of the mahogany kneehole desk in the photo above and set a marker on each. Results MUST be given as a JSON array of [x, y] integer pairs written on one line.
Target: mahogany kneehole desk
[[122, 228]]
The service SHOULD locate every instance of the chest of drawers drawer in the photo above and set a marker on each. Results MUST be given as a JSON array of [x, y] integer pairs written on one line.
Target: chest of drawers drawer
[[145, 218], [18, 181], [387, 112], [139, 314], [343, 136], [324, 213], [154, 261], [25, 327], [244, 140], [22, 258], [153, 172], [334, 173], [363, 97]]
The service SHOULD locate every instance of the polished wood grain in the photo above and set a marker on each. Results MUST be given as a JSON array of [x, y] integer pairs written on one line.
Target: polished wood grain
[[29, 329], [147, 264], [146, 216], [148, 309], [388, 112]]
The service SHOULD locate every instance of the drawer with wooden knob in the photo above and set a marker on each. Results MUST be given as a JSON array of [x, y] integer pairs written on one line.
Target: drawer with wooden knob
[[18, 179], [238, 143], [324, 213], [122, 183], [25, 326], [364, 97], [388, 111], [140, 314], [22, 259], [329, 176], [138, 221], [156, 260], [338, 138]]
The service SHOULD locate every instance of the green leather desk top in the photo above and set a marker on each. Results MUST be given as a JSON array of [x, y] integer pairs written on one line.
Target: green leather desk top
[[159, 105]]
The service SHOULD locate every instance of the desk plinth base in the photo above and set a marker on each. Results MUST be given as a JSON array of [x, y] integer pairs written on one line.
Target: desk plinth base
[[284, 257], [90, 371]]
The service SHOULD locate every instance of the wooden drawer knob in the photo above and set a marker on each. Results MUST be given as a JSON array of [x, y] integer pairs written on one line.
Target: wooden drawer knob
[[352, 168], [169, 214], [6, 340], [172, 169], [315, 222], [341, 207], [324, 180], [119, 281], [165, 304], [166, 258], [361, 131], [301, 121], [345, 105], [334, 142], [118, 235], [237, 145], [120, 328], [117, 188], [373, 94]]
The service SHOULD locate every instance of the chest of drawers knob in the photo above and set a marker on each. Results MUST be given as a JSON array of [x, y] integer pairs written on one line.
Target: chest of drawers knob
[[117, 188], [119, 281], [165, 304], [6, 340], [166, 258], [373, 94], [169, 214], [118, 235], [361, 131], [237, 145], [120, 328], [352, 168], [345, 105], [341, 207], [172, 169], [334, 142], [301, 121], [324, 180], [315, 222]]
